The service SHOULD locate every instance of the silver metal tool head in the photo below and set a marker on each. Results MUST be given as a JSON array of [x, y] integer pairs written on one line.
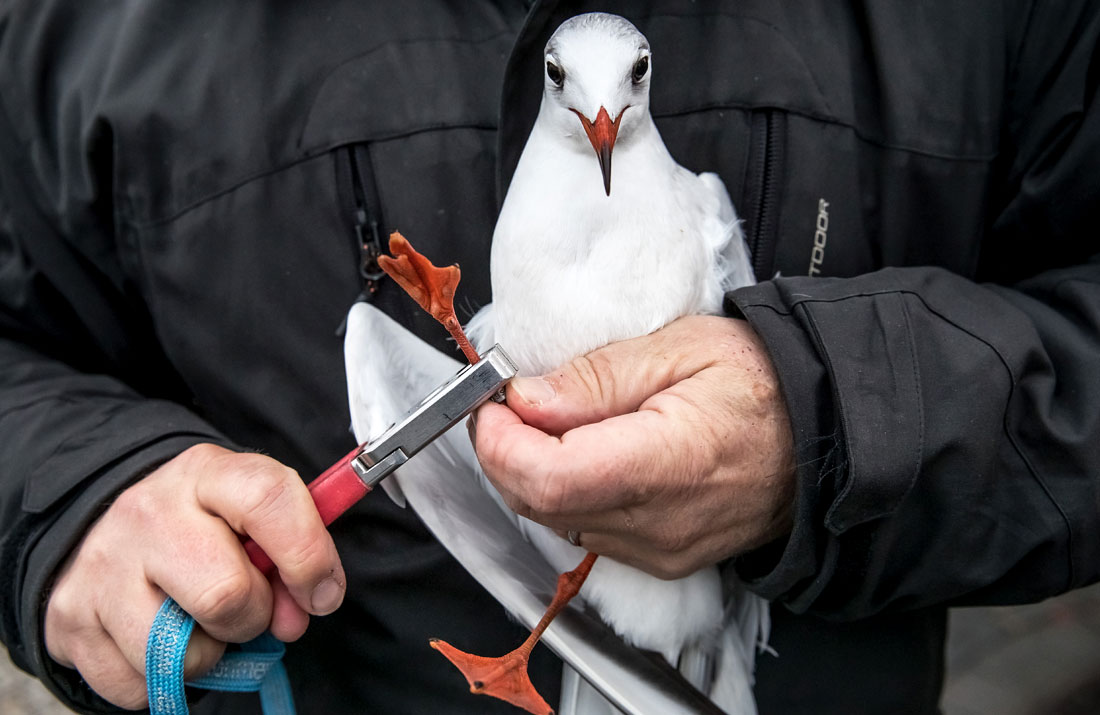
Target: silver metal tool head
[[437, 413]]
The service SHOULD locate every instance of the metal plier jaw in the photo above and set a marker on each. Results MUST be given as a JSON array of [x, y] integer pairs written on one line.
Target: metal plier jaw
[[436, 414], [346, 482]]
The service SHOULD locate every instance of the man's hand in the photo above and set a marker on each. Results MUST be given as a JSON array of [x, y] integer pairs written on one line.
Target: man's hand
[[177, 533], [669, 452]]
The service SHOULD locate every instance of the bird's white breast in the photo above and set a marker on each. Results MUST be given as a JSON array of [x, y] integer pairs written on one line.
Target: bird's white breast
[[574, 269]]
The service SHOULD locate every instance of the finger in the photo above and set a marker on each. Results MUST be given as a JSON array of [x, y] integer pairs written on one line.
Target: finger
[[270, 503], [203, 653], [128, 619], [288, 620], [655, 556], [127, 616], [640, 554], [592, 469], [76, 638], [613, 380], [207, 572], [104, 667]]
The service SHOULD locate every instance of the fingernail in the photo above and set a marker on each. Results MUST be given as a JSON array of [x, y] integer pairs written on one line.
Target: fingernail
[[471, 427], [326, 596], [533, 390]]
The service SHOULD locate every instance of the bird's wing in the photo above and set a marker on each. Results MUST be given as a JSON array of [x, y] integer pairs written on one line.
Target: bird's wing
[[389, 370], [442, 485], [735, 264], [578, 697]]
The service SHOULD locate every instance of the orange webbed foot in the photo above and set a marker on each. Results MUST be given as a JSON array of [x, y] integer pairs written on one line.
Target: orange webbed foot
[[432, 287], [504, 677]]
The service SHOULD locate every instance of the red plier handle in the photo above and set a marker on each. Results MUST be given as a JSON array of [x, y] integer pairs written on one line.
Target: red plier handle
[[334, 492]]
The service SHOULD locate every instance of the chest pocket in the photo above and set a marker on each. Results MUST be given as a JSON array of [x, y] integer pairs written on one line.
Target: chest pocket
[[412, 129]]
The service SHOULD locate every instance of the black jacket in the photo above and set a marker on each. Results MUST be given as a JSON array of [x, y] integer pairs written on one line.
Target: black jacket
[[184, 186]]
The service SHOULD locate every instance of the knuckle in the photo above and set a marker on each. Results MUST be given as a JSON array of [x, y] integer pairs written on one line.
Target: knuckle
[[308, 555], [98, 557], [268, 488], [195, 460], [668, 567], [225, 600], [202, 452], [672, 542], [549, 498], [137, 506], [594, 374], [64, 614], [517, 505]]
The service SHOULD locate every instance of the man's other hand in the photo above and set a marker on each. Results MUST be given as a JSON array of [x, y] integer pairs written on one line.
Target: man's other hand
[[177, 532]]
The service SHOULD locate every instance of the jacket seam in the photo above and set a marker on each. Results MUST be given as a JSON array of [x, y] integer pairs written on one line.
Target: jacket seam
[[314, 153], [825, 119], [911, 342]]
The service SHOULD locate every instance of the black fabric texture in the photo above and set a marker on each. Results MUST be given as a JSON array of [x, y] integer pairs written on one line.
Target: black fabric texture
[[180, 188]]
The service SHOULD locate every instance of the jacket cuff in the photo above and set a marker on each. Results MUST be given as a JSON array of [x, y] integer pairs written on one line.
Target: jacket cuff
[[156, 432], [847, 364], [875, 412], [789, 565]]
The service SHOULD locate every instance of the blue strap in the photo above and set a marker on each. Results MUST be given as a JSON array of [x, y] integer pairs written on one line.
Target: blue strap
[[256, 666]]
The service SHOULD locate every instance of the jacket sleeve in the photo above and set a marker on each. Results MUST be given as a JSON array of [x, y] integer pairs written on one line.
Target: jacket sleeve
[[947, 429], [74, 428]]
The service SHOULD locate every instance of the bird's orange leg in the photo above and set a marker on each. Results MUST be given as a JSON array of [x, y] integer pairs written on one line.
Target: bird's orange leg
[[505, 677]]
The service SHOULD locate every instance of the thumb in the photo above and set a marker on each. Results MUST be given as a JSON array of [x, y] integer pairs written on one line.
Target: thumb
[[613, 380]]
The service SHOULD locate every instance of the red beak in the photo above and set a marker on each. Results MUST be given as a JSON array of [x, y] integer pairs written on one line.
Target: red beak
[[602, 134]]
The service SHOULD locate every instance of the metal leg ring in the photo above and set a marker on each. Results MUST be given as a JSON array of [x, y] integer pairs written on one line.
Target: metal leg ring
[[574, 537]]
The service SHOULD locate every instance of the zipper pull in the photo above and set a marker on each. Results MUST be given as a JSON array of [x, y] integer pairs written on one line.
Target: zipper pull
[[370, 248]]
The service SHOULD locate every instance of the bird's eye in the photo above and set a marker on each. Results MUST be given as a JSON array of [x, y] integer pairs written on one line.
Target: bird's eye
[[554, 73], [640, 68]]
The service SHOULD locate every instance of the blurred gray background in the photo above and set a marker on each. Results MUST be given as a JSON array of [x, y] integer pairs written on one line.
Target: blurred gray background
[[1042, 659]]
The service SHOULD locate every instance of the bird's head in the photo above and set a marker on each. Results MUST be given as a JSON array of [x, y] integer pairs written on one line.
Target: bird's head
[[596, 74]]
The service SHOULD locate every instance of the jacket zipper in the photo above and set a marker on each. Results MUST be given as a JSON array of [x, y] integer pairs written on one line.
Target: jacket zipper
[[767, 155], [366, 226]]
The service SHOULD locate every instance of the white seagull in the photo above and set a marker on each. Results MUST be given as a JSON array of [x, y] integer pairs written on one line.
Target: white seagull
[[583, 256]]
